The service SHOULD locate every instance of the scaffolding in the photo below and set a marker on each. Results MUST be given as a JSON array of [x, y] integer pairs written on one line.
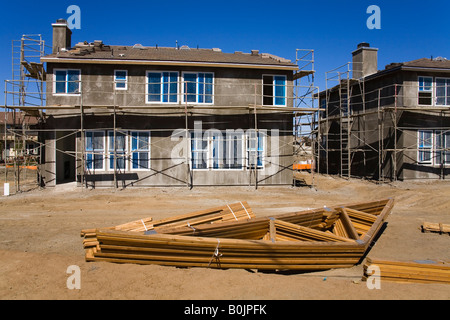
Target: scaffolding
[[305, 124], [20, 153], [20, 98], [365, 135]]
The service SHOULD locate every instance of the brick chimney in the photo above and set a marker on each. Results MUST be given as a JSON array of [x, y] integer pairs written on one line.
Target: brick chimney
[[62, 36], [365, 60]]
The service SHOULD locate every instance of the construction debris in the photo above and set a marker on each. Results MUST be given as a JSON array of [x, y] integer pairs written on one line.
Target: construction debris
[[435, 227], [232, 237], [425, 271]]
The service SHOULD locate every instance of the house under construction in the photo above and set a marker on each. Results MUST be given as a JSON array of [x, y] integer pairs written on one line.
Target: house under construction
[[386, 124], [121, 116]]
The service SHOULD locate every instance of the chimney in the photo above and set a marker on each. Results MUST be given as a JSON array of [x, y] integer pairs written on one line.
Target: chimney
[[365, 60], [62, 36]]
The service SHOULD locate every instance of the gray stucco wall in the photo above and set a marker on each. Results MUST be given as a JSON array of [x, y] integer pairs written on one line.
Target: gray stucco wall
[[232, 87]]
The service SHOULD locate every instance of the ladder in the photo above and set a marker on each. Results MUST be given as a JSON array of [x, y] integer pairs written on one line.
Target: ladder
[[345, 128]]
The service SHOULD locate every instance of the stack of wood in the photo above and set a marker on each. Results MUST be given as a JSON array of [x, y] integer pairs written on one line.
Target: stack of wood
[[232, 237], [232, 212], [416, 271], [435, 227]]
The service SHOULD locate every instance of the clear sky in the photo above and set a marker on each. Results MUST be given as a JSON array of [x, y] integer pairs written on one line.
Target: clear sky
[[409, 29]]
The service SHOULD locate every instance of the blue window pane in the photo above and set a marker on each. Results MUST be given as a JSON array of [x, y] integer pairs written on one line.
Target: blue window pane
[[143, 160], [143, 140], [280, 91], [121, 75], [135, 160], [98, 161], [73, 78], [190, 87], [173, 87], [165, 87], [89, 141], [208, 87], [201, 86], [89, 161], [134, 140], [154, 87], [60, 85]]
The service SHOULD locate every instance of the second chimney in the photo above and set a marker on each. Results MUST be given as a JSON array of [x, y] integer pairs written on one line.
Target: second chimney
[[62, 36], [365, 61]]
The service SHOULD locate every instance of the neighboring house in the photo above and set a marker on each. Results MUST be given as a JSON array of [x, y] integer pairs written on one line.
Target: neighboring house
[[158, 116], [17, 133], [387, 124]]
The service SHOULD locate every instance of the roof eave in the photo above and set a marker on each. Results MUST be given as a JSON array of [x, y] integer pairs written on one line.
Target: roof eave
[[171, 63]]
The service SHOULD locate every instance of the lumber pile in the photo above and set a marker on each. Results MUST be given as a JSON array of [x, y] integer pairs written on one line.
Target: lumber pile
[[232, 212], [187, 251], [415, 271], [232, 236], [435, 227]]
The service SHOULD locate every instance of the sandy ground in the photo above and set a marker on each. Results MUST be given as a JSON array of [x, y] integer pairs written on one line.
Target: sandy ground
[[40, 239]]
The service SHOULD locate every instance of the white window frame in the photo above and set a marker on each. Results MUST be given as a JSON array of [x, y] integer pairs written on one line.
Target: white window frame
[[140, 150], [201, 151], [209, 151], [161, 72], [110, 152], [447, 93], [120, 81], [273, 90], [248, 149], [93, 152], [197, 94], [431, 90], [435, 134], [65, 93]]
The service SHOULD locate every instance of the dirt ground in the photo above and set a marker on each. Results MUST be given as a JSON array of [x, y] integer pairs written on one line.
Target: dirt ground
[[40, 239]]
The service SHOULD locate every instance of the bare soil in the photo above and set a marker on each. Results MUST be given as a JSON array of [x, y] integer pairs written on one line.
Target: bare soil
[[40, 239]]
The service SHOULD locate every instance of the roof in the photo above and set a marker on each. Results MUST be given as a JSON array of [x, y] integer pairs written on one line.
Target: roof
[[97, 52], [436, 63]]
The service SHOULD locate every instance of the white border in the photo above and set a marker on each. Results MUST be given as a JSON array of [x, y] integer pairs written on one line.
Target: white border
[[161, 83], [66, 94], [93, 152], [131, 169], [273, 88], [120, 81], [196, 88]]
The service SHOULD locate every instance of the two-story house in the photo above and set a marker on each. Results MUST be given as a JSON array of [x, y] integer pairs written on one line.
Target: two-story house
[[387, 124], [160, 116]]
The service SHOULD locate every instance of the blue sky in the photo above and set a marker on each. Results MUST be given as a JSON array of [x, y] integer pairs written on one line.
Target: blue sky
[[409, 29]]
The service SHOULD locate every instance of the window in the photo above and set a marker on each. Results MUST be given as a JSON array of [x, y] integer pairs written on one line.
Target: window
[[216, 150], [442, 143], [199, 151], [227, 150], [95, 150], [425, 91], [425, 146], [67, 82], [198, 87], [162, 87], [433, 147], [140, 150], [120, 79], [274, 90], [255, 149], [442, 92], [121, 149]]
